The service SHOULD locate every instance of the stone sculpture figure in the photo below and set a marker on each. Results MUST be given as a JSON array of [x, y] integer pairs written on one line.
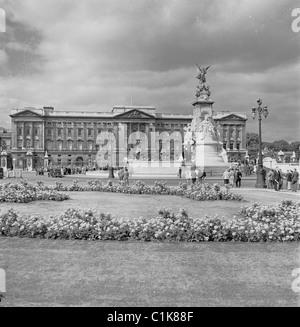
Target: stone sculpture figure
[[188, 142], [201, 74]]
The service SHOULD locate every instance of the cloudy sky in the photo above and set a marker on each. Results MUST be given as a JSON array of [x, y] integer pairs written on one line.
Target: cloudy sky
[[88, 55]]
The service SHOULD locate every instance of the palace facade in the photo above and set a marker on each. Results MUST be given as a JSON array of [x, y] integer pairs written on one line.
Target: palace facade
[[45, 136]]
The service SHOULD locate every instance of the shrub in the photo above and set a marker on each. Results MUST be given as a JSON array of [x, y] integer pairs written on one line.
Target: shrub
[[257, 225], [25, 192]]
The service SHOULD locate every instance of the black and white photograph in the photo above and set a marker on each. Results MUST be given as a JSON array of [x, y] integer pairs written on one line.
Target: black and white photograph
[[149, 156]]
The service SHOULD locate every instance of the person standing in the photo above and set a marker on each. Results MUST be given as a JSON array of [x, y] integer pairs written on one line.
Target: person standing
[[277, 179], [179, 172], [226, 177], [231, 177], [295, 179], [121, 173], [281, 179], [289, 176], [187, 176], [193, 176], [270, 179], [238, 178], [202, 177], [126, 176]]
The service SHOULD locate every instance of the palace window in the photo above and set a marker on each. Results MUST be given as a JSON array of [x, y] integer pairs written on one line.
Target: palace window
[[231, 146], [27, 130], [28, 144], [49, 131], [36, 131], [49, 145], [20, 131], [59, 145], [70, 145], [90, 145], [59, 131], [36, 144], [79, 131], [19, 144], [79, 145], [224, 145], [89, 132], [69, 131], [238, 146]]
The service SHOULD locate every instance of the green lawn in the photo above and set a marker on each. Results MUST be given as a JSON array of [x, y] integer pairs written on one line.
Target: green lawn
[[83, 273]]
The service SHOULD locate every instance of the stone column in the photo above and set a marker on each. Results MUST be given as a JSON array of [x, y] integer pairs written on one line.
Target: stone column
[[122, 143], [243, 137], [153, 146], [116, 150], [54, 136], [4, 160], [64, 136], [32, 134], [227, 137], [148, 141], [14, 135], [29, 160], [24, 137], [221, 131], [235, 137], [84, 136]]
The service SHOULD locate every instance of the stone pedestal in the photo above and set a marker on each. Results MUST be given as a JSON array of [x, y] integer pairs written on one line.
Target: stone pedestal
[[4, 161], [46, 160], [208, 143], [29, 160]]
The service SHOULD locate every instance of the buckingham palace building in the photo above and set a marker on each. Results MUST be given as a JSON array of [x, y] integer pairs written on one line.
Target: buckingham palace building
[[67, 138]]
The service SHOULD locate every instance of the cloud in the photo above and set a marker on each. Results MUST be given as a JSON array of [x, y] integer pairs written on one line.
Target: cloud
[[90, 55]]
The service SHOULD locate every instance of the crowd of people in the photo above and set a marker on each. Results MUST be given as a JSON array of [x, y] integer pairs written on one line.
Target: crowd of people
[[123, 175], [232, 176], [275, 179], [193, 175], [64, 170]]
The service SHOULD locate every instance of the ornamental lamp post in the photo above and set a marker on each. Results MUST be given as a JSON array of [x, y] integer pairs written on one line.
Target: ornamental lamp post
[[260, 173]]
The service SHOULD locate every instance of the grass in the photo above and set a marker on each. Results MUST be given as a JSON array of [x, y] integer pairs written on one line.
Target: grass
[[134, 206], [84, 273], [75, 273]]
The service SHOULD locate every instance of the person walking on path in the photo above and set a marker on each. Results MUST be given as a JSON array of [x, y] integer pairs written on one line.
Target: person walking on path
[[226, 177], [179, 172], [270, 179], [277, 179], [193, 176], [126, 176], [121, 174], [295, 179], [231, 178], [187, 176], [202, 177], [289, 176], [238, 178]]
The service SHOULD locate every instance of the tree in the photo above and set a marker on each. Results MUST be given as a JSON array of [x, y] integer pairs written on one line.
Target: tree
[[252, 140], [281, 145]]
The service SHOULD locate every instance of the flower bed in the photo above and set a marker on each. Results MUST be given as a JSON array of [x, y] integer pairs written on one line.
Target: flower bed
[[25, 192], [198, 191], [260, 224]]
